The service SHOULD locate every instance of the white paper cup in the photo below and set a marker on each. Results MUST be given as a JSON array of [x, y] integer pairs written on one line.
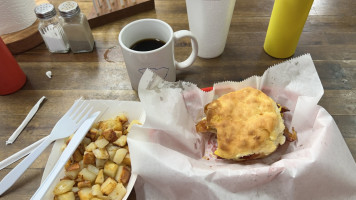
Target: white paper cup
[[209, 21], [161, 60]]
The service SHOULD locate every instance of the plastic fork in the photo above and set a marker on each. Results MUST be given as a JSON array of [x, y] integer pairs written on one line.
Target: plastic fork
[[27, 150], [66, 154], [66, 126]]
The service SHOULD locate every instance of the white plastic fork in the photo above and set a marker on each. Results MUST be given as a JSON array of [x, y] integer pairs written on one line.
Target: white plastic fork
[[27, 150], [66, 154], [66, 126]]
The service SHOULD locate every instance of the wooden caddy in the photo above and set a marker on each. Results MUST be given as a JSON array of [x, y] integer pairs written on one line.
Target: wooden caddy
[[29, 38]]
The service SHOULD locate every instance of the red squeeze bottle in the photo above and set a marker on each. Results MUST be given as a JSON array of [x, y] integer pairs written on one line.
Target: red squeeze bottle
[[12, 78]]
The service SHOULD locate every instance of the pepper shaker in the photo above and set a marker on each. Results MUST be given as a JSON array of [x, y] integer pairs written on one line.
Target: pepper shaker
[[76, 27], [50, 29]]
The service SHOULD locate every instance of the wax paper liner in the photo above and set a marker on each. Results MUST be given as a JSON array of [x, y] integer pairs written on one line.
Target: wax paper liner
[[170, 157]]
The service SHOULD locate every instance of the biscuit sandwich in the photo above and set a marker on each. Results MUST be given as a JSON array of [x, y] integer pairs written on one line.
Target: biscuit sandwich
[[248, 124]]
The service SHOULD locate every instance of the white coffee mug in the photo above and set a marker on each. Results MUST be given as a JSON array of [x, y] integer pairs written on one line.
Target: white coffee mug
[[161, 60]]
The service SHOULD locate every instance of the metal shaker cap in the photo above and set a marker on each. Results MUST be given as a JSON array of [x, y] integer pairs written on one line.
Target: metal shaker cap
[[68, 9], [45, 11]]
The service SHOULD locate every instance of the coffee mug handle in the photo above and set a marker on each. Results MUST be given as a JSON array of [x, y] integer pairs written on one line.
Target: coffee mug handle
[[189, 61]]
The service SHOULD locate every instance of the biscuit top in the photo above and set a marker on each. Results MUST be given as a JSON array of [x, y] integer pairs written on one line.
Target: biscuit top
[[248, 124]]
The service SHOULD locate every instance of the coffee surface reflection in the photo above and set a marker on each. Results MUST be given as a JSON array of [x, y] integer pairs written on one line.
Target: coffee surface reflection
[[147, 44]]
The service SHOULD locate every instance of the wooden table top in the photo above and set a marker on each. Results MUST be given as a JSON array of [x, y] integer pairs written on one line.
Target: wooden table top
[[329, 36]]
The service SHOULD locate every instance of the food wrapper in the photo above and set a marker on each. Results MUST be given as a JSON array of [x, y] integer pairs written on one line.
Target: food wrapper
[[171, 158]]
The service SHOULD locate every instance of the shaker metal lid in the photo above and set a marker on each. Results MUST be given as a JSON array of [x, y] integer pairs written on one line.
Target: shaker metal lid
[[68, 9], [45, 11]]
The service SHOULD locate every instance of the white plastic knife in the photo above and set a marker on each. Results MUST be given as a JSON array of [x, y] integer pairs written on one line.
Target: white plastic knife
[[25, 121], [66, 154]]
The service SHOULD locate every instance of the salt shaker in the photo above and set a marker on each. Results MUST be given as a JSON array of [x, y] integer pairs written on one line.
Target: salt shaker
[[50, 29], [76, 27]]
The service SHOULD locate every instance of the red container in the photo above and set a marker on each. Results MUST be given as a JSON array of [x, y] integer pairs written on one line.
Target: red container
[[207, 89], [12, 78]]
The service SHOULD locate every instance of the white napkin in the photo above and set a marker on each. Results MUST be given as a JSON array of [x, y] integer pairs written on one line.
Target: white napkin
[[167, 153]]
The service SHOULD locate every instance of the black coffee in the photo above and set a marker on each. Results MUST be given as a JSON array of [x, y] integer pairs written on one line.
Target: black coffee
[[147, 44]]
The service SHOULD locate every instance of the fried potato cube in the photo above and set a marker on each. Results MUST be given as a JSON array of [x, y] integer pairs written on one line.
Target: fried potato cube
[[112, 150], [96, 125], [100, 177], [122, 118], [87, 175], [72, 166], [96, 190], [81, 148], [63, 186], [92, 134], [85, 194], [116, 125], [93, 169], [86, 141], [121, 141], [112, 147], [101, 153], [123, 174], [72, 174], [127, 160], [118, 133], [100, 163], [89, 158], [119, 192], [109, 135], [126, 147], [77, 156], [108, 186], [101, 142], [75, 189], [110, 169], [79, 178], [91, 146], [125, 132], [84, 184], [65, 196], [81, 164], [120, 155]]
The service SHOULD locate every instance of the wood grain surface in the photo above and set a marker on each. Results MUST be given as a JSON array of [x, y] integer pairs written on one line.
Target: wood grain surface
[[329, 36]]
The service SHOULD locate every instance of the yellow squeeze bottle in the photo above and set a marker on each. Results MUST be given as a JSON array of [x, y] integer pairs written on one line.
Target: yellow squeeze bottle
[[285, 27]]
